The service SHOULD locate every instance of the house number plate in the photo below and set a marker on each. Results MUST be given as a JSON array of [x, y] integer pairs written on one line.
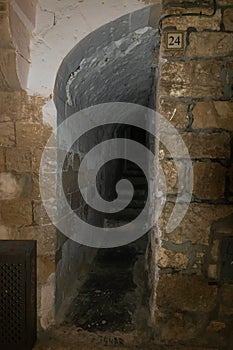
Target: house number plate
[[175, 40]]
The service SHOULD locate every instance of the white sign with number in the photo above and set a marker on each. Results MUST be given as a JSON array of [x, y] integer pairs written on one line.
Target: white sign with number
[[175, 40]]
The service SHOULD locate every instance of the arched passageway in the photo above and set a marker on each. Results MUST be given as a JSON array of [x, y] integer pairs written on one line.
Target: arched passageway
[[116, 63]]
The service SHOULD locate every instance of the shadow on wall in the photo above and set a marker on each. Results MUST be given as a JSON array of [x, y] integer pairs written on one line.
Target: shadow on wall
[[114, 63]]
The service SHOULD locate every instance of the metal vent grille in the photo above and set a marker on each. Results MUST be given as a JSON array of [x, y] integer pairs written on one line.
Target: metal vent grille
[[17, 294]]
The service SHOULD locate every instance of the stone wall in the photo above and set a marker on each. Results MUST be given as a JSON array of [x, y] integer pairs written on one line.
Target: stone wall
[[23, 137], [189, 305], [195, 95]]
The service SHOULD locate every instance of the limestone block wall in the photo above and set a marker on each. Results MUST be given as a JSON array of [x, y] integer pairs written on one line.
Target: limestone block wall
[[23, 137], [195, 95]]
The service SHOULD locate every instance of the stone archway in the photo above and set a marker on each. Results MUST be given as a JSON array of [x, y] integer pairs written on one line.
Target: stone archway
[[115, 63]]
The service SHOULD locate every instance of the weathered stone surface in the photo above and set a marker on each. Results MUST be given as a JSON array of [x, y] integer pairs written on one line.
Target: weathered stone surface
[[209, 180], [195, 226], [200, 145], [44, 235], [195, 79], [226, 301], [2, 160], [216, 326], [15, 186], [228, 19], [45, 267], [186, 293], [224, 2], [8, 74], [210, 45], [6, 41], [168, 258], [9, 102], [215, 145], [171, 175], [29, 9], [176, 112], [31, 109], [178, 327], [39, 214], [16, 212], [213, 272], [8, 233], [48, 302], [30, 135], [197, 22], [18, 159], [217, 114], [215, 250], [7, 134]]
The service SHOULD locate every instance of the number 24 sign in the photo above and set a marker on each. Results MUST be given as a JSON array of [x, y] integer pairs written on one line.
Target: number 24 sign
[[175, 40]]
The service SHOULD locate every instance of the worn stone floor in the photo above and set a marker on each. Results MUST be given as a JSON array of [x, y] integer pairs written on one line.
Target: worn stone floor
[[73, 338]]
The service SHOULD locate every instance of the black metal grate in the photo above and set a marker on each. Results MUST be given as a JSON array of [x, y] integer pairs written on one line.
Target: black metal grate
[[17, 294], [12, 308]]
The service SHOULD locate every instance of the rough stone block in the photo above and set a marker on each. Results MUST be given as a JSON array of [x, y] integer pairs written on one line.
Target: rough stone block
[[228, 19], [215, 114], [15, 186], [209, 180], [215, 251], [210, 45], [195, 226], [176, 112], [170, 259], [7, 134], [198, 22], [196, 79], [186, 293], [8, 232], [173, 174], [18, 159], [31, 108], [30, 135], [16, 212], [9, 102], [179, 327], [202, 145]]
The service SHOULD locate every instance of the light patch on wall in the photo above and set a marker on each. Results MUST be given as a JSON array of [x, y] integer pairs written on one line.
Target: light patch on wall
[[60, 26]]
